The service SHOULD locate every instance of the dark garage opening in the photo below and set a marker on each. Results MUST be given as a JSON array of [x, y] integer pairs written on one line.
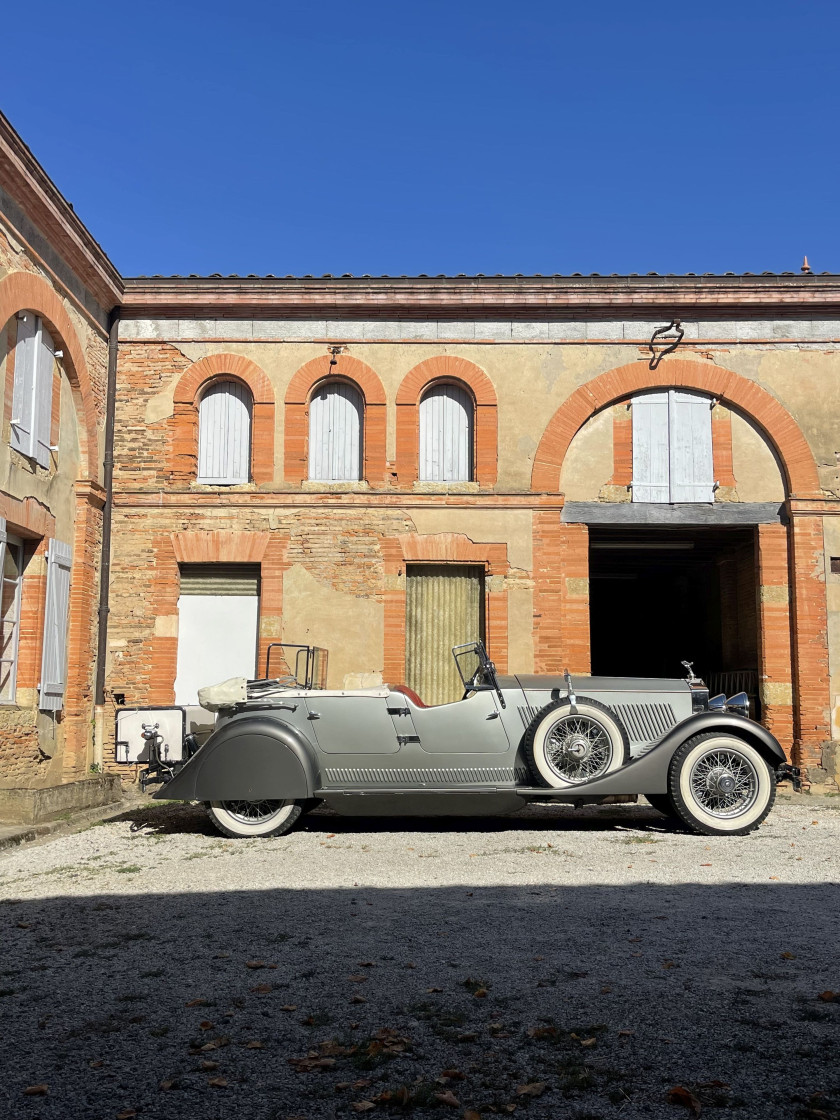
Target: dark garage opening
[[661, 596]]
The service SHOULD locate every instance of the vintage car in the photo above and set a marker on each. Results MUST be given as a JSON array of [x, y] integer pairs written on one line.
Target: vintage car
[[280, 747]]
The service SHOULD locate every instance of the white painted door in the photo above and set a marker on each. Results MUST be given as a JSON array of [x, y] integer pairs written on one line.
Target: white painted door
[[335, 433], [218, 619], [446, 434]]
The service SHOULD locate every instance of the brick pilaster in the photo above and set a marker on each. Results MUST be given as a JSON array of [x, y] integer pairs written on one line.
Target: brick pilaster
[[812, 714], [774, 636], [561, 595]]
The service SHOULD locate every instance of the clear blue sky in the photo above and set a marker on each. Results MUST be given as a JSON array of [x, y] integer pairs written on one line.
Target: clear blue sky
[[439, 136]]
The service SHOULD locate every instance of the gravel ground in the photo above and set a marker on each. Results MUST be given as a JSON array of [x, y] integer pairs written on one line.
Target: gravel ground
[[555, 964]]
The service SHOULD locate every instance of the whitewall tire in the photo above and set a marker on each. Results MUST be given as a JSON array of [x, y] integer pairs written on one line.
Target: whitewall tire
[[254, 818], [565, 749], [720, 785]]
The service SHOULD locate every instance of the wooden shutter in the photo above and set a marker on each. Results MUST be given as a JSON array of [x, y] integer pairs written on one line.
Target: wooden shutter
[[23, 395], [690, 424], [335, 433], [446, 435], [220, 579], [650, 448], [444, 607], [224, 434], [8, 649], [44, 371], [56, 613]]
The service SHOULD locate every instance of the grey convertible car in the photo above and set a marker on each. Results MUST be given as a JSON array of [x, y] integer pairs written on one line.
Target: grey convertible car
[[280, 747]]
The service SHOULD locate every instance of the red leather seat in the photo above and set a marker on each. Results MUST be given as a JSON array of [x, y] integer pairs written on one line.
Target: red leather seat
[[410, 694]]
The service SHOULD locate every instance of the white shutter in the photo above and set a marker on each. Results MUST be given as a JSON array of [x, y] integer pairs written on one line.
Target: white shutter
[[650, 448], [54, 657], [224, 434], [446, 435], [692, 471], [44, 370], [335, 433], [23, 396]]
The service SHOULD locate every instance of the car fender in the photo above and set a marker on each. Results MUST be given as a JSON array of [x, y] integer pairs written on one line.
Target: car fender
[[248, 759], [649, 772]]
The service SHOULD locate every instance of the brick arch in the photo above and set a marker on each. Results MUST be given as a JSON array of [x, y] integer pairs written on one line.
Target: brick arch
[[300, 388], [795, 456], [185, 414], [24, 291], [447, 367]]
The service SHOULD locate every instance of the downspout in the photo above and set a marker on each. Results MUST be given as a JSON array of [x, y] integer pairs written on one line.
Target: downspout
[[105, 566]]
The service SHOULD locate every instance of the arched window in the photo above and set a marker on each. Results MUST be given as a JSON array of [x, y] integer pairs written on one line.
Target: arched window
[[672, 447], [446, 434], [224, 434], [336, 412]]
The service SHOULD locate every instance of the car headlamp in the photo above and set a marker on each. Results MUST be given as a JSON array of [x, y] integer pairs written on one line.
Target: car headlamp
[[739, 703]]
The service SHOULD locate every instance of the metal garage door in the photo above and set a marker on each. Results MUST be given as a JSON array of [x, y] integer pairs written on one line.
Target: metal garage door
[[444, 607]]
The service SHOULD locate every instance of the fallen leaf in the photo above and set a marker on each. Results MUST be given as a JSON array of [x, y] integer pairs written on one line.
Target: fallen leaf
[[196, 1003], [774, 876], [434, 989], [358, 999], [471, 1114], [703, 865], [99, 1063], [668, 964], [218, 1082], [532, 1089], [479, 993], [448, 1097], [366, 964], [207, 1066], [588, 1041], [451, 1075], [362, 1106], [263, 989], [829, 997], [254, 1044], [362, 1083], [206, 1025], [788, 956], [605, 991], [289, 1007], [682, 1096], [127, 1114], [255, 964], [626, 1032], [469, 1036], [36, 1090], [411, 964], [164, 1085], [331, 836], [357, 979]]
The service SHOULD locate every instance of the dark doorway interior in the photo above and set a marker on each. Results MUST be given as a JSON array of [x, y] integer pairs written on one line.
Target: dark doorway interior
[[658, 596]]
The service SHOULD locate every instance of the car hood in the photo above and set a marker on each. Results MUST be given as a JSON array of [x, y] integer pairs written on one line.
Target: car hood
[[537, 682]]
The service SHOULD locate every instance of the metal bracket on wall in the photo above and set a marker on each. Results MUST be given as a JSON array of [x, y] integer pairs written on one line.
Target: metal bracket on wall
[[656, 357]]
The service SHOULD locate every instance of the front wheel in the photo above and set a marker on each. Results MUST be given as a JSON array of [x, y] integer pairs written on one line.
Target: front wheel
[[720, 785], [254, 818]]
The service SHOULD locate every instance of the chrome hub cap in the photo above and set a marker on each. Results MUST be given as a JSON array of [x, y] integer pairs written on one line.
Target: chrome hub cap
[[578, 749], [252, 812], [724, 783]]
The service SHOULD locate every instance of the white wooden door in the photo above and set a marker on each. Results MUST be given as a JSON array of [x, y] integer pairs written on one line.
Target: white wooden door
[[446, 435], [651, 470], [224, 434], [218, 618]]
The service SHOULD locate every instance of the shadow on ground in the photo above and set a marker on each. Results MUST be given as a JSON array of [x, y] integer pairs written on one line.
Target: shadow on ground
[[539, 1001]]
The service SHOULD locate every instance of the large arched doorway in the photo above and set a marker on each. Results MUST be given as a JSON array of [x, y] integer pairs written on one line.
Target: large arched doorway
[[722, 566]]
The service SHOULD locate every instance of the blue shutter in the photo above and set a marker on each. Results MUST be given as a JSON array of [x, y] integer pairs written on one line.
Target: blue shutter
[[56, 614], [446, 435], [651, 467], [224, 434], [335, 433], [692, 469], [23, 396], [44, 371]]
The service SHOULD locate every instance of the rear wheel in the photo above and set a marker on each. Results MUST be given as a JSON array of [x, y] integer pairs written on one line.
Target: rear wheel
[[254, 818], [720, 785], [567, 749]]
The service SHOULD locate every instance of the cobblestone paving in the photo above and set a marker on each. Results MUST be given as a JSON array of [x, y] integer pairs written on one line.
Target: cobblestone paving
[[560, 963]]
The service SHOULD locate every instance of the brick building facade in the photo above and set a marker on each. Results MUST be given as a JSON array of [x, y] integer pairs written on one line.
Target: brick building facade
[[368, 464]]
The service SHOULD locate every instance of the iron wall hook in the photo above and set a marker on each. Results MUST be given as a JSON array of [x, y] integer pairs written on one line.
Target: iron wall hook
[[657, 358]]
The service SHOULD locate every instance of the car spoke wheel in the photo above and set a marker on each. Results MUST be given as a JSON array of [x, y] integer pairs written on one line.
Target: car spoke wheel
[[254, 818], [567, 748], [721, 784]]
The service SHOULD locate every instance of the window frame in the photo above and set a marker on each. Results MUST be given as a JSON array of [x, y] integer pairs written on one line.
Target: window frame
[[214, 387], [359, 457], [12, 542]]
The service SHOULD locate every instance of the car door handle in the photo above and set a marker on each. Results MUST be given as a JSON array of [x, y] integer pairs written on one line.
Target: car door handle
[[493, 715], [314, 715]]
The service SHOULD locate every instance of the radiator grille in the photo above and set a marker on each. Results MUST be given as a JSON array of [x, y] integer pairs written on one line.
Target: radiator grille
[[422, 776], [645, 723]]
